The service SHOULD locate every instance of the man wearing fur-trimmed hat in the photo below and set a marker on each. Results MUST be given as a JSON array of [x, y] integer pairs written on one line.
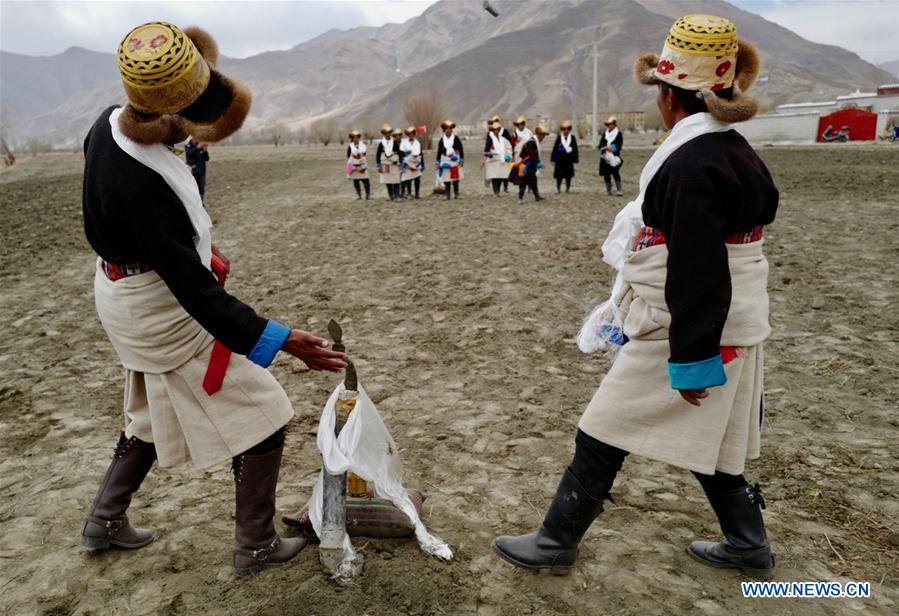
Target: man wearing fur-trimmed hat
[[196, 387], [688, 312], [450, 159]]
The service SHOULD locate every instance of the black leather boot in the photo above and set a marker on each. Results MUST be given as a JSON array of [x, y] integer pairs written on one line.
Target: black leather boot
[[745, 544], [554, 545], [257, 544], [106, 523]]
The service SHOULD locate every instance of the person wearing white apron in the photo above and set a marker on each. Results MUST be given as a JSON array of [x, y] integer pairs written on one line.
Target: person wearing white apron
[[413, 163], [387, 161], [194, 356], [450, 159], [497, 157], [357, 165], [688, 313]]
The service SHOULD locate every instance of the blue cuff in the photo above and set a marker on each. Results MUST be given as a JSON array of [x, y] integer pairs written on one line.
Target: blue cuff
[[270, 342], [697, 374]]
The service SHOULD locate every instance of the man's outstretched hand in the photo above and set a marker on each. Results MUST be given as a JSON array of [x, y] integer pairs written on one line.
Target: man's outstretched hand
[[693, 396], [313, 351]]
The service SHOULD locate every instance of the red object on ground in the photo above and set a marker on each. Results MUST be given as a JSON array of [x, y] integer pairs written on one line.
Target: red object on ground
[[221, 355], [862, 124]]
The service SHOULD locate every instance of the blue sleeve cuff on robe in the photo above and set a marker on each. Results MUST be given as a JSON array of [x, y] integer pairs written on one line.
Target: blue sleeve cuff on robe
[[270, 342], [698, 374]]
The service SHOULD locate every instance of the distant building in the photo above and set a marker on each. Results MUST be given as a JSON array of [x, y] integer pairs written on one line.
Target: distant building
[[871, 115], [627, 120]]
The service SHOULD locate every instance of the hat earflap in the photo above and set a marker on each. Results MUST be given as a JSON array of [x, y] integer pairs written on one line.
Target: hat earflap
[[230, 121], [748, 66], [741, 107], [149, 129], [644, 69], [204, 43]]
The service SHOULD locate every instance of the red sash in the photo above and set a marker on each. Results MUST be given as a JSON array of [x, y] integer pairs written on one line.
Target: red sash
[[221, 355]]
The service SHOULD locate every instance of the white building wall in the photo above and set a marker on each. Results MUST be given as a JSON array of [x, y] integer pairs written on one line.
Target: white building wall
[[781, 128]]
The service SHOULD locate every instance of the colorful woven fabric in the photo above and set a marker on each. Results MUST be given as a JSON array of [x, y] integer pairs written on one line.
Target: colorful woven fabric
[[115, 271], [368, 516], [650, 236]]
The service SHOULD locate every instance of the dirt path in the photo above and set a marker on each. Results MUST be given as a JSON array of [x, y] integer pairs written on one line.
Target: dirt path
[[462, 316]]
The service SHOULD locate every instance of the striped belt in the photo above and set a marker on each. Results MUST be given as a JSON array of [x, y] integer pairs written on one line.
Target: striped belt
[[114, 271], [650, 236]]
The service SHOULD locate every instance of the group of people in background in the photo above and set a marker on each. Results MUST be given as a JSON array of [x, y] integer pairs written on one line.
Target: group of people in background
[[509, 156]]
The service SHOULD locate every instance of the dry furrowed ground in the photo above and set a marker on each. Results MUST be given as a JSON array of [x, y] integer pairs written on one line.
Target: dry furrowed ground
[[461, 316]]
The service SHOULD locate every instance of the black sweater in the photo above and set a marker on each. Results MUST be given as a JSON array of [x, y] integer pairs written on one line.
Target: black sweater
[[132, 216], [710, 187], [457, 146]]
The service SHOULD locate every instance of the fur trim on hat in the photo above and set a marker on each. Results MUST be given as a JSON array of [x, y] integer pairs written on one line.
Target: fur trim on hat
[[204, 43], [644, 69], [231, 120], [740, 109], [748, 66], [150, 129]]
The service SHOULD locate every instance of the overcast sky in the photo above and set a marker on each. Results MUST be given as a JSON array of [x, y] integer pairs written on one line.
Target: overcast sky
[[868, 27]]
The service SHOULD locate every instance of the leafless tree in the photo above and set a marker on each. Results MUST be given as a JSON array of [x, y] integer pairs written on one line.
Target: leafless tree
[[36, 146], [5, 121], [323, 131], [277, 134], [426, 108], [368, 128]]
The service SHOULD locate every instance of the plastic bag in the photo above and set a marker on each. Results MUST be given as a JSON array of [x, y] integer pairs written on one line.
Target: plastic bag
[[365, 447], [611, 159]]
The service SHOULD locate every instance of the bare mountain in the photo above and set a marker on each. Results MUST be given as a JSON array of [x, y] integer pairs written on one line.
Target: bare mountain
[[524, 71], [891, 67], [515, 63], [32, 85]]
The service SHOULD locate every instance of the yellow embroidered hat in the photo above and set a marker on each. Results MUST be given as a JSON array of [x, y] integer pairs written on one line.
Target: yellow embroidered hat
[[410, 130], [447, 124], [496, 118], [703, 53], [386, 129], [355, 133], [161, 69], [542, 129], [174, 87], [565, 124], [520, 120]]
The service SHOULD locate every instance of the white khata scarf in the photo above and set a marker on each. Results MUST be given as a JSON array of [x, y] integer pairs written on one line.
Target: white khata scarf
[[405, 145], [566, 142], [358, 149], [414, 147], [499, 145], [178, 176], [388, 146], [611, 135], [523, 134], [448, 143], [599, 329]]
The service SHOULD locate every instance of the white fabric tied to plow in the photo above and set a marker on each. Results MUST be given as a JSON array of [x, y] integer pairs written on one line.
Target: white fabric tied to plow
[[366, 448], [594, 333], [178, 176]]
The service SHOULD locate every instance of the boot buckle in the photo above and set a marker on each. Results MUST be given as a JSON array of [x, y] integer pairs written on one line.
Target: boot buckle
[[262, 554], [114, 526], [754, 493]]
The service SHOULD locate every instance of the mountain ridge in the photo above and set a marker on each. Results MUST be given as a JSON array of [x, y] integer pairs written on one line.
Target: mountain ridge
[[514, 63]]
